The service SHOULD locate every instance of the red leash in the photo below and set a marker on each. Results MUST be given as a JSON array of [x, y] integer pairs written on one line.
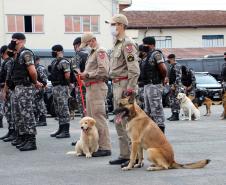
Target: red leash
[[78, 77]]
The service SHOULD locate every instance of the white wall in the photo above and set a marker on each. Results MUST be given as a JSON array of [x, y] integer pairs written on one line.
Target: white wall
[[181, 37], [54, 28]]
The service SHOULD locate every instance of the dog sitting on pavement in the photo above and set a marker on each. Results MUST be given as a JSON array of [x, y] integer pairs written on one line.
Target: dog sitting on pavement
[[146, 135], [190, 111], [88, 142]]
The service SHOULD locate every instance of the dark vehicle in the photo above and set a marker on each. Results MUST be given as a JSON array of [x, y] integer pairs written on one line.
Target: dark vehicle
[[207, 85]]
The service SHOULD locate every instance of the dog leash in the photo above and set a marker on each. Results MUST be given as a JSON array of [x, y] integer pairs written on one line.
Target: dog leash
[[78, 77]]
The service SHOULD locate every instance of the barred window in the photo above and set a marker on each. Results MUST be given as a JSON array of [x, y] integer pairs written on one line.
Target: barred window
[[81, 23], [213, 40], [25, 23], [163, 41]]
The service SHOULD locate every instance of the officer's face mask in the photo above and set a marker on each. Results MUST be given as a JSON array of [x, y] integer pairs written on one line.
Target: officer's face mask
[[146, 49], [10, 53], [13, 44], [114, 32], [54, 54]]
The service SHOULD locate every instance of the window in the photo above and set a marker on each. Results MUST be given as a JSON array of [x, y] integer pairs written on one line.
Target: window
[[163, 41], [213, 40], [80, 24], [25, 23]]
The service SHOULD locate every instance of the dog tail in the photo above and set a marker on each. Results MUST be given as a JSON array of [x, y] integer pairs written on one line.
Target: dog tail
[[71, 153], [195, 165]]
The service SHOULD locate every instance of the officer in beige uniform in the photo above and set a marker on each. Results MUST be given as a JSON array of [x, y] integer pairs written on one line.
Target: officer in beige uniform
[[124, 72], [95, 75]]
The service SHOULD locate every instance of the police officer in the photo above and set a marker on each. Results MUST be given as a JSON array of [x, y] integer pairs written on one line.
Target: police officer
[[223, 73], [188, 81], [153, 74], [39, 104], [95, 75], [124, 72], [6, 66], [23, 76], [78, 66], [4, 56], [60, 78], [176, 86]]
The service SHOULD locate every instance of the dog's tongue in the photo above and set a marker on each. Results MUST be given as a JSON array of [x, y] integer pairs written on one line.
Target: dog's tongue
[[118, 118]]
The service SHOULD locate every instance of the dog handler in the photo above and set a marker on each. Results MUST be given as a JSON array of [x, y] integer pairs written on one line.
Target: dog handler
[[124, 72]]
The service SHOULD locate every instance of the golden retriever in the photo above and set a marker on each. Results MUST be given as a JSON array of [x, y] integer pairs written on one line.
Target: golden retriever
[[88, 142], [145, 134], [188, 107]]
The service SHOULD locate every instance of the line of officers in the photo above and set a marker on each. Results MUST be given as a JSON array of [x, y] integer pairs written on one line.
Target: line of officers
[[91, 63]]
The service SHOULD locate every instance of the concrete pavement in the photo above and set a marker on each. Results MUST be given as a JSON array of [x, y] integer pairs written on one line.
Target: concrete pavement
[[49, 165]]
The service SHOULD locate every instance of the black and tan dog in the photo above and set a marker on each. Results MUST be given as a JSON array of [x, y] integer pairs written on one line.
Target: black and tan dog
[[224, 106], [145, 134], [73, 105]]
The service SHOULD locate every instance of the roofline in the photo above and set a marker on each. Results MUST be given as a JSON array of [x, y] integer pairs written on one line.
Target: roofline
[[161, 27]]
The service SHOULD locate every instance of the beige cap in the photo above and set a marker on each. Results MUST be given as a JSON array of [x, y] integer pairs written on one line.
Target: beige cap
[[85, 38], [119, 18]]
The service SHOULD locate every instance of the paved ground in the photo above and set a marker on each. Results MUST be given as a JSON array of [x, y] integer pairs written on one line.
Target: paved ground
[[50, 166]]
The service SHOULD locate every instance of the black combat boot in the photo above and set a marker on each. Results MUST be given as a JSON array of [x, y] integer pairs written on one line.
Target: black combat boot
[[65, 131], [25, 140], [19, 139], [11, 137], [42, 121], [30, 144], [10, 131], [57, 132], [1, 121], [175, 117], [170, 117]]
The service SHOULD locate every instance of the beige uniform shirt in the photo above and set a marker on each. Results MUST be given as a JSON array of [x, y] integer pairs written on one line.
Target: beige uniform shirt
[[97, 65], [124, 61]]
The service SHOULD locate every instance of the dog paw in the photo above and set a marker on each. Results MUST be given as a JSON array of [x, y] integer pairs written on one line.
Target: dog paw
[[126, 168], [88, 155], [139, 165]]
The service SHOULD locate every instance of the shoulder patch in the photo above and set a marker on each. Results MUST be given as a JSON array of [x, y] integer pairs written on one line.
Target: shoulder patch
[[158, 56], [130, 58], [27, 57], [129, 48]]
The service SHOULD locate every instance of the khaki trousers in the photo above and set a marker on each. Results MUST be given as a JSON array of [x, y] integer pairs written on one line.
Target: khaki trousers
[[95, 106], [124, 140]]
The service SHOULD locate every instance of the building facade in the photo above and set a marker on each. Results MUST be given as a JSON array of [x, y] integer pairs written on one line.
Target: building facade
[[49, 22], [179, 29]]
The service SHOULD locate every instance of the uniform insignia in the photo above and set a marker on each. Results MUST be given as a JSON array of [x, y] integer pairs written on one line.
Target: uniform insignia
[[101, 55], [158, 57], [130, 58], [129, 48], [27, 57]]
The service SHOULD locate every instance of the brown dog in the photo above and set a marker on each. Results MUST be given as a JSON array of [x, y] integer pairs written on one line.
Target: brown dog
[[145, 134], [224, 106]]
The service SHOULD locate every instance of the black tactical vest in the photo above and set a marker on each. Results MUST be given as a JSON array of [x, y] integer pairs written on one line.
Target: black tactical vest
[[186, 79], [223, 73], [19, 73], [172, 74], [4, 70], [57, 75], [149, 70]]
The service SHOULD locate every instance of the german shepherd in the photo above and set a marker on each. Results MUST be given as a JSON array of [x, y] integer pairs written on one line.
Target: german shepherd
[[73, 105], [145, 134], [224, 106]]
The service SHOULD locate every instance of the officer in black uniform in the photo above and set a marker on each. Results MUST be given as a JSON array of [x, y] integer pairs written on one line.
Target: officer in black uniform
[[223, 73], [175, 83], [153, 74], [60, 78], [4, 56], [23, 77], [7, 56], [39, 104]]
